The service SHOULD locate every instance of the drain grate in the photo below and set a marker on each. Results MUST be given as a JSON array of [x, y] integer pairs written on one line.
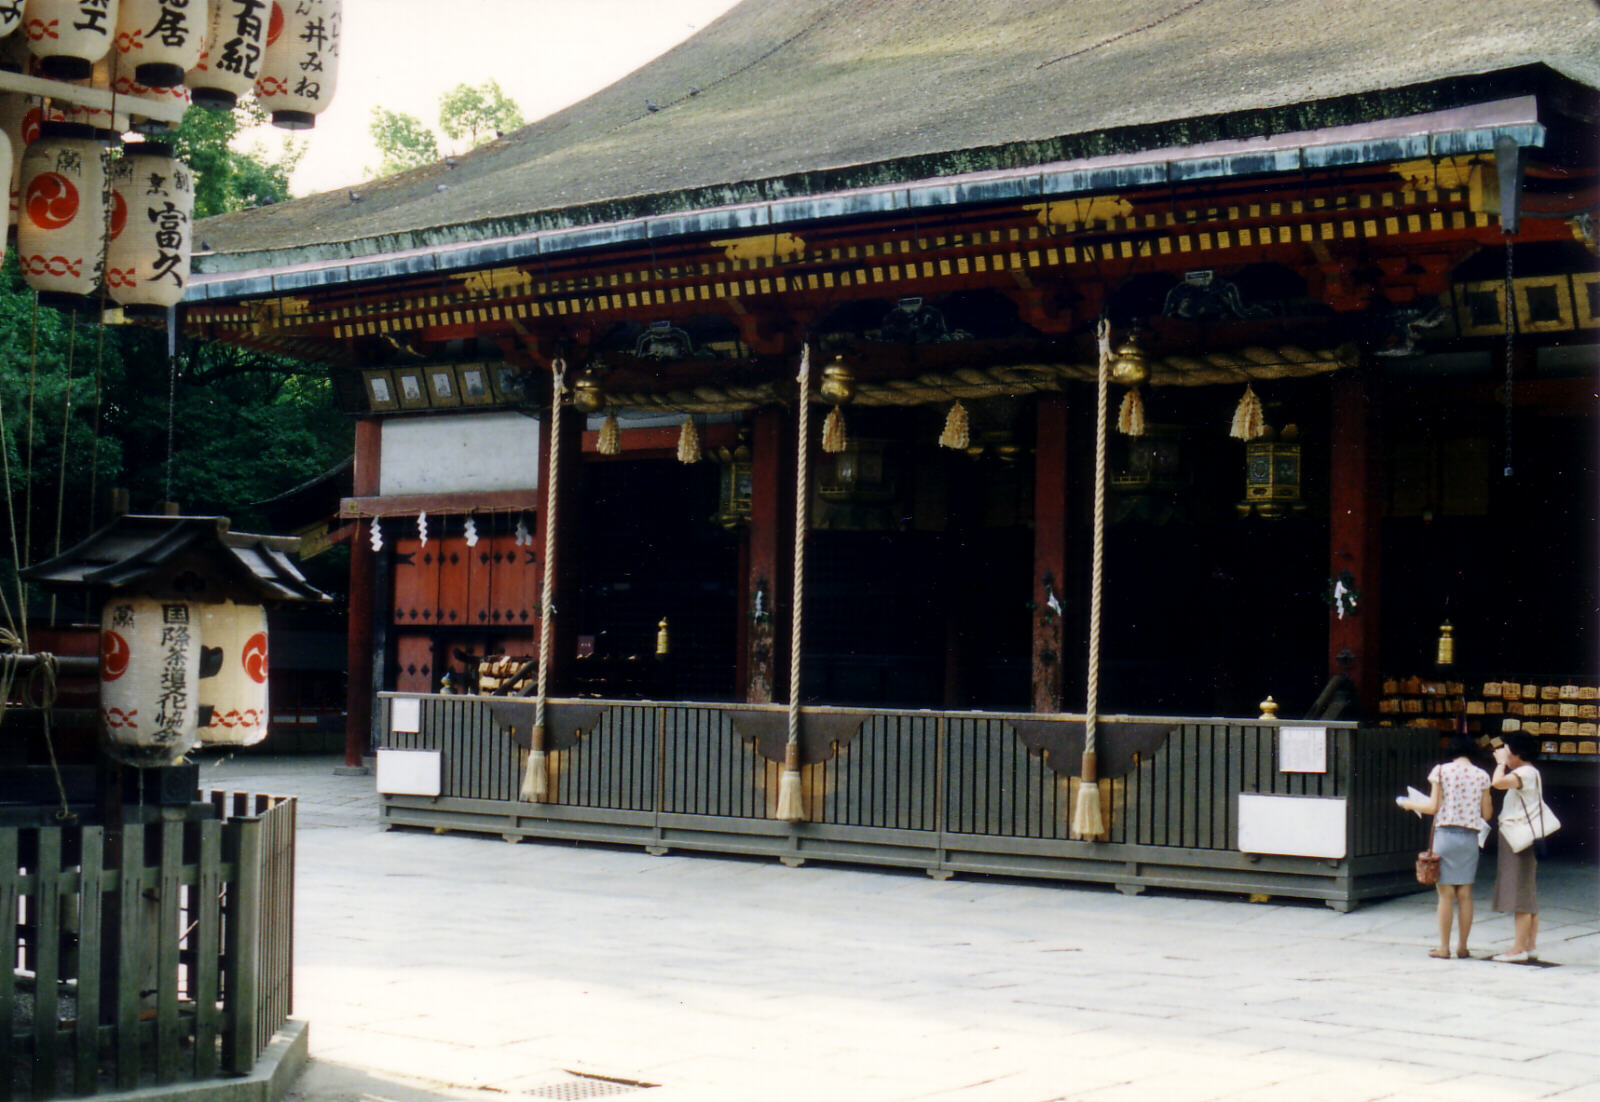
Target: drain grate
[[586, 1086]]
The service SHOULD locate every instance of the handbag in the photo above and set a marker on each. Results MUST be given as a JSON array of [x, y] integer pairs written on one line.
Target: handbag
[[1522, 831], [1427, 860]]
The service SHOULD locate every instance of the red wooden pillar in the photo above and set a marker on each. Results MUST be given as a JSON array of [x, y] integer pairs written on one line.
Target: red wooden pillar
[[363, 568], [770, 565], [1355, 524], [1050, 516]]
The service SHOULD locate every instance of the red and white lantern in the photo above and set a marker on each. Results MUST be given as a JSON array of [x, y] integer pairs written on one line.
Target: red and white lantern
[[151, 228], [149, 679], [159, 40], [236, 692], [301, 69], [20, 119], [61, 221], [230, 62], [69, 36]]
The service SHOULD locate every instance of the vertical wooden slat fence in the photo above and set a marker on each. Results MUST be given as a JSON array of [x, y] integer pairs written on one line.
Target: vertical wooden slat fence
[[154, 954], [943, 791]]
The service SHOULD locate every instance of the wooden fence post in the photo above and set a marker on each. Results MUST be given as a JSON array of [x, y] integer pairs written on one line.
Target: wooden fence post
[[243, 949]]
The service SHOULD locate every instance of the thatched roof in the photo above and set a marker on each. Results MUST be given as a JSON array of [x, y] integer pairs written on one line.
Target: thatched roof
[[780, 98]]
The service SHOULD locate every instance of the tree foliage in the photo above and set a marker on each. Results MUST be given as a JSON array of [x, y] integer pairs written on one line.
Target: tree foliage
[[468, 113], [476, 112], [227, 179], [404, 140]]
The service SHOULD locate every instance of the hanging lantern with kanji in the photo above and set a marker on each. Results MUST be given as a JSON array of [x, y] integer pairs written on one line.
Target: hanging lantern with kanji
[[301, 68], [10, 17], [159, 39], [183, 655], [20, 120], [69, 36], [233, 674], [62, 219], [149, 677], [230, 61], [150, 235]]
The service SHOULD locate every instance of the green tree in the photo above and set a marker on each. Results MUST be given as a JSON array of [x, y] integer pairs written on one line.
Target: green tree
[[404, 140], [475, 112], [228, 179]]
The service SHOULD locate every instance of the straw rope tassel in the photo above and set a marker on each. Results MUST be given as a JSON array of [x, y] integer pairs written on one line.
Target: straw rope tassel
[[1130, 417], [834, 439], [1249, 421], [957, 432], [610, 436], [536, 780], [689, 442], [1087, 821], [791, 804]]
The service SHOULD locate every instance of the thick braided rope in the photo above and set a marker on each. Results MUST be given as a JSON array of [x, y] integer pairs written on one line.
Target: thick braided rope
[[558, 371], [1092, 706], [799, 545]]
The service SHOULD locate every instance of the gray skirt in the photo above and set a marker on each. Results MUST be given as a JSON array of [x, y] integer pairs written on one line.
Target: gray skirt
[[1515, 880], [1457, 848]]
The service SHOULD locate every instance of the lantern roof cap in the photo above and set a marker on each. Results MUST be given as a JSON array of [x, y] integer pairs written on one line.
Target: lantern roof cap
[[134, 548], [763, 108]]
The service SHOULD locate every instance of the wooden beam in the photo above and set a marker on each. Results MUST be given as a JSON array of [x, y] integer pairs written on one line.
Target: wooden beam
[[400, 505], [659, 442]]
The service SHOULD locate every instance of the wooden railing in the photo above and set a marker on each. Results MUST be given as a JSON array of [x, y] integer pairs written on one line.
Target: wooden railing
[[970, 791], [159, 953]]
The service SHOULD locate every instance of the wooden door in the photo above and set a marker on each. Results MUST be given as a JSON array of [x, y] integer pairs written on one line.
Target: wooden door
[[414, 659], [416, 581], [454, 556]]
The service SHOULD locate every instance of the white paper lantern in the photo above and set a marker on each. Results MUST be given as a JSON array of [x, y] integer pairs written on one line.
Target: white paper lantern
[[108, 126], [10, 16], [20, 119], [149, 678], [301, 68], [233, 675], [69, 36], [151, 228], [159, 39], [61, 222], [130, 91], [230, 62]]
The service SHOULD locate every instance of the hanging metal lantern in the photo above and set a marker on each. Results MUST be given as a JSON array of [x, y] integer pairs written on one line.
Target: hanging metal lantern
[[150, 233], [62, 221], [233, 674], [301, 68], [69, 36], [1272, 475], [588, 396], [230, 62], [149, 672], [159, 39]]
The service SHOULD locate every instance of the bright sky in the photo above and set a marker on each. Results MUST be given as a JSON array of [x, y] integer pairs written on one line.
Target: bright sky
[[546, 54]]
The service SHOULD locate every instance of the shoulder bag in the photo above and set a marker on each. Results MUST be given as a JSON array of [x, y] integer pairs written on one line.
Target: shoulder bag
[[1428, 860], [1531, 826]]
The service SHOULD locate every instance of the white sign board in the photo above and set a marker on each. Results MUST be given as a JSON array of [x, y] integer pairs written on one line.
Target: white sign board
[[408, 772], [1302, 749], [1299, 826], [405, 714], [458, 454]]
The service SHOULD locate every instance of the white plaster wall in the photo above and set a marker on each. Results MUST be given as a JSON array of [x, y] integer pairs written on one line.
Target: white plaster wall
[[469, 453]]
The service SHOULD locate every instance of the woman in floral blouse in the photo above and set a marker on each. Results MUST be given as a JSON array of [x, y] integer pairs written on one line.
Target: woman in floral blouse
[[1459, 802]]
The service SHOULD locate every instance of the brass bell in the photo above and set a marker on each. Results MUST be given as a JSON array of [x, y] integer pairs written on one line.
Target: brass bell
[[587, 394], [838, 382], [1128, 365], [1445, 650]]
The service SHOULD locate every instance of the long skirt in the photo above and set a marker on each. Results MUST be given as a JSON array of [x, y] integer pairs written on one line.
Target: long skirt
[[1515, 890]]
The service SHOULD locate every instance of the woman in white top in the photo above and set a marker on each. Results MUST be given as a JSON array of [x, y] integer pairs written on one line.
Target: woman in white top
[[1459, 802], [1515, 879]]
